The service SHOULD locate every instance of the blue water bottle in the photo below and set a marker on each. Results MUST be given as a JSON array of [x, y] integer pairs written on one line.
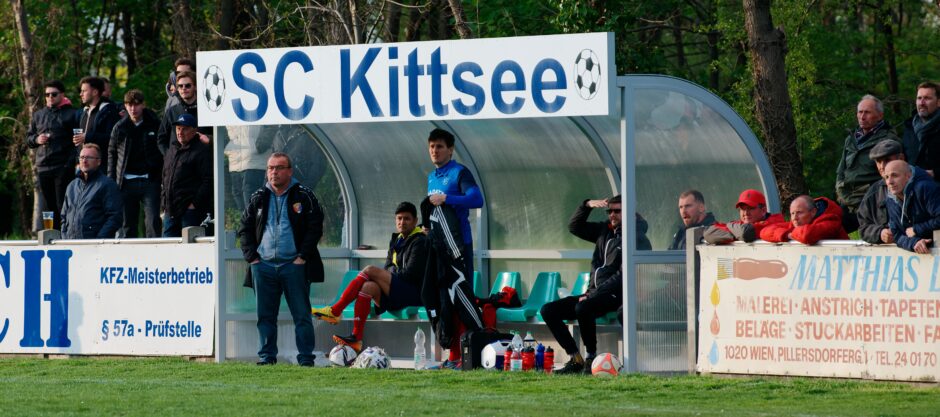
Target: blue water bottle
[[539, 357]]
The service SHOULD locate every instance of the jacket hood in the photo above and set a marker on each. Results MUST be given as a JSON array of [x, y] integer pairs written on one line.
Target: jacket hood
[[65, 102], [917, 175]]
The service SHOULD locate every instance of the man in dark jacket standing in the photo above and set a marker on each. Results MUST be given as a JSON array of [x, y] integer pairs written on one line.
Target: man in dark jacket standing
[[395, 287], [280, 230], [50, 130], [873, 212], [92, 208], [604, 293], [856, 170], [97, 118], [134, 163], [693, 213], [922, 131], [186, 197], [913, 206]]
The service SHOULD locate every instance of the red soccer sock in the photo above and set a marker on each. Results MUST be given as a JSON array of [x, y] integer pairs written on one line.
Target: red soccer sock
[[361, 310], [349, 294], [455, 354]]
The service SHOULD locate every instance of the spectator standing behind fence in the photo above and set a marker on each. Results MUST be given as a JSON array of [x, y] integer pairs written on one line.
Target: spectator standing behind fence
[[913, 206], [187, 194], [181, 65], [922, 131], [752, 218], [50, 130], [810, 221], [134, 163], [856, 170], [394, 287], [280, 230], [92, 208], [604, 293], [693, 213], [186, 89], [873, 211], [97, 118]]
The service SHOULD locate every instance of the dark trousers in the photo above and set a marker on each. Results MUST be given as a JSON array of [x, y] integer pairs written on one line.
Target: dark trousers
[[52, 185], [137, 192], [586, 312], [290, 280], [173, 225], [244, 184]]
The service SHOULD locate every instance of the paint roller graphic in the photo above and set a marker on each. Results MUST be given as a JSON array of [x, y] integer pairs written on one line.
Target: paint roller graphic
[[748, 269]]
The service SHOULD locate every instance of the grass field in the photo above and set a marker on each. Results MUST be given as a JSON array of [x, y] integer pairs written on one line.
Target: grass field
[[169, 386]]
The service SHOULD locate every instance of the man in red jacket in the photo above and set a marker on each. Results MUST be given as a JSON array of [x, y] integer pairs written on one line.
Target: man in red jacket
[[810, 221], [752, 210]]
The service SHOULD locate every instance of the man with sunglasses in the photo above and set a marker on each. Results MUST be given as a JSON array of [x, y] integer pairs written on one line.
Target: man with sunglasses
[[186, 89], [604, 294], [93, 207], [50, 130], [181, 65]]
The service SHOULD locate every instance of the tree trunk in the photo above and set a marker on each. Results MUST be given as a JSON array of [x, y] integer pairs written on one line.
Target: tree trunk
[[392, 22], [130, 44], [460, 22], [31, 87], [773, 109], [714, 74], [883, 24], [183, 29], [226, 23]]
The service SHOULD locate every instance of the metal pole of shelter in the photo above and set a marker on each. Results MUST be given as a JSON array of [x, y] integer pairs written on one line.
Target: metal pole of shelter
[[628, 191], [221, 305]]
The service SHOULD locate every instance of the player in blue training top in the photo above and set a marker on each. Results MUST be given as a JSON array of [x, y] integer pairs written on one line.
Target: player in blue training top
[[452, 183]]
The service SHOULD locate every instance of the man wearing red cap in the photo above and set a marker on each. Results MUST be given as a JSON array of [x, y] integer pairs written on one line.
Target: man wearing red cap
[[752, 208]]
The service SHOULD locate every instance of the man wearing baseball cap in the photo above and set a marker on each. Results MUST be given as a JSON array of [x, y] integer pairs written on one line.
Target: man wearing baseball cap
[[186, 197], [752, 209], [872, 211]]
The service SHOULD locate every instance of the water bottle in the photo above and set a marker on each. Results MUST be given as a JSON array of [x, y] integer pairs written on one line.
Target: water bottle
[[421, 357], [528, 358], [516, 362], [517, 342], [549, 360], [539, 357], [529, 341], [507, 359]]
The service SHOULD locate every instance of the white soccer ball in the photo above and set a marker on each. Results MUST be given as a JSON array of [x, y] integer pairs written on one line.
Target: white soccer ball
[[214, 85], [342, 355], [605, 364], [587, 71], [372, 357], [493, 352]]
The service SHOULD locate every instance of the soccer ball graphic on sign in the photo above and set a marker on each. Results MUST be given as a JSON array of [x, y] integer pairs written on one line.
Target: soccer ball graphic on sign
[[214, 87], [587, 72], [605, 364]]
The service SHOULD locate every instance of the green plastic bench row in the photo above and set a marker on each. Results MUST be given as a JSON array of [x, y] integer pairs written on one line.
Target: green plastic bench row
[[544, 290]]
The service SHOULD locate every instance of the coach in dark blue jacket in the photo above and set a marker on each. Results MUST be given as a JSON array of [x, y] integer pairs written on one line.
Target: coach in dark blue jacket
[[913, 206]]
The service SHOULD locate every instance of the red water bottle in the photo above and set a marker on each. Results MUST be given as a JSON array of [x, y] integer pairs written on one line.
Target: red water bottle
[[528, 359], [507, 358], [549, 360]]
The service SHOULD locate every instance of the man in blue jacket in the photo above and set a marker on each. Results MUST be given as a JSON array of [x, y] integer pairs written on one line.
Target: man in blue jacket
[[913, 206], [92, 208], [452, 183]]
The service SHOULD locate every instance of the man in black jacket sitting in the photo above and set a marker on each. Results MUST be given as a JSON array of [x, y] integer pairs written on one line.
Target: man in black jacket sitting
[[396, 286], [604, 294]]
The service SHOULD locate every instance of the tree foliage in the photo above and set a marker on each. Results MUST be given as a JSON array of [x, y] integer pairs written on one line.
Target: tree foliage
[[837, 52]]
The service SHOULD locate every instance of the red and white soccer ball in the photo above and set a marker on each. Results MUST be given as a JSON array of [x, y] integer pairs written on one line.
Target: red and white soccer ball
[[605, 365], [342, 355]]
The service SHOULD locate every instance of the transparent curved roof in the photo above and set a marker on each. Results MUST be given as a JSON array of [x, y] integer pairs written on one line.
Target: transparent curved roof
[[535, 172]]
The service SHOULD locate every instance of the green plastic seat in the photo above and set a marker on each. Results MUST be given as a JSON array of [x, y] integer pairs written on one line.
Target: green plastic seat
[[479, 285], [507, 279], [545, 290], [581, 284]]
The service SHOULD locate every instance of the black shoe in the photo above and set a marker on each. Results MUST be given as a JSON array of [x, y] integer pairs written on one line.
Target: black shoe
[[572, 367], [588, 363], [307, 364], [266, 362]]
